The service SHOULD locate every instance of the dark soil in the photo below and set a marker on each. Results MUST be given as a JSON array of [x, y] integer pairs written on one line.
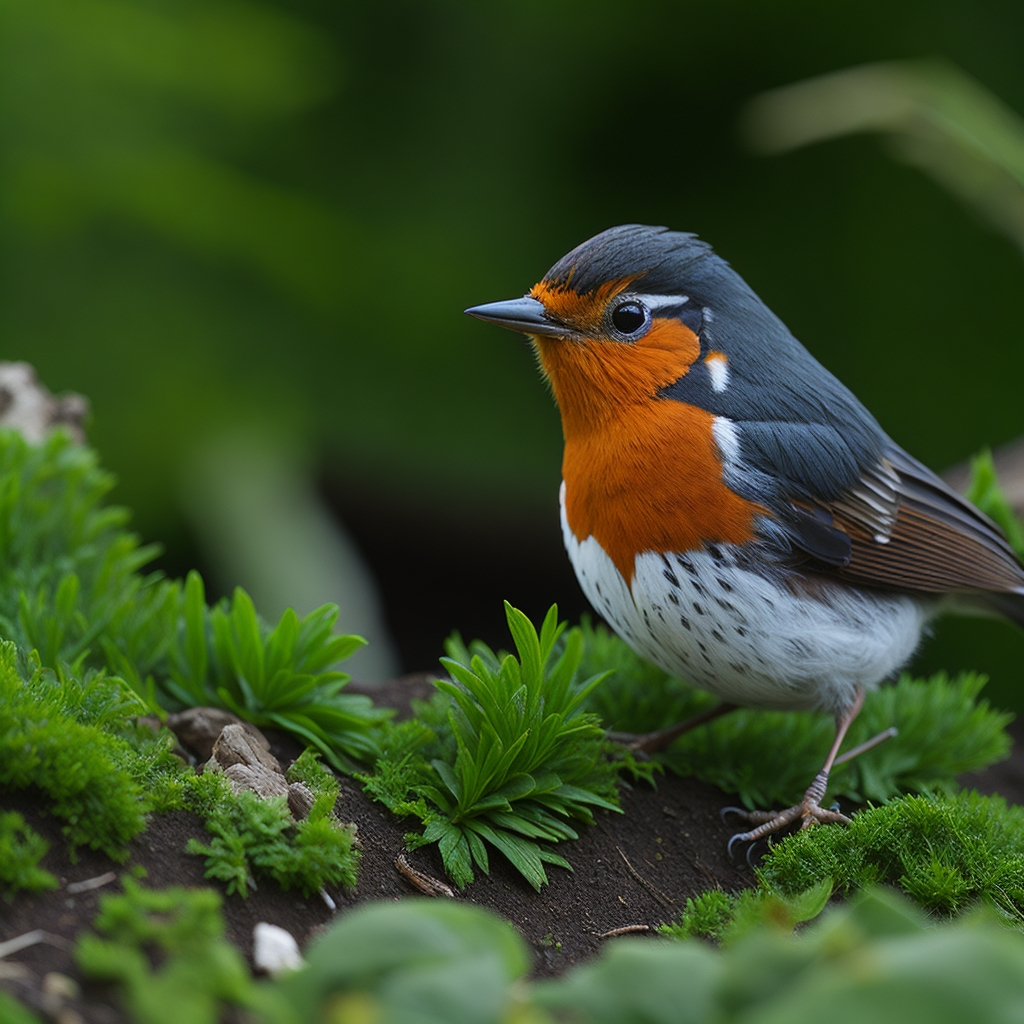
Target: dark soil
[[632, 871]]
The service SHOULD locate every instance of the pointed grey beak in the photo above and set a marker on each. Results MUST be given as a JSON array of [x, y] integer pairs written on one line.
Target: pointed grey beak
[[525, 315]]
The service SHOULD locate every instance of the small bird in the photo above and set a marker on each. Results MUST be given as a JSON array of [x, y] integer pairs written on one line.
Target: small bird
[[729, 507]]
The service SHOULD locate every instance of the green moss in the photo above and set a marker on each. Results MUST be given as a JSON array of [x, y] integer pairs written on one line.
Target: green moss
[[256, 838], [946, 853], [71, 738], [21, 850]]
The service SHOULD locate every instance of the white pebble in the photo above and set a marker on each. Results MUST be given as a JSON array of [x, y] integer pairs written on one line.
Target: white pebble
[[274, 950]]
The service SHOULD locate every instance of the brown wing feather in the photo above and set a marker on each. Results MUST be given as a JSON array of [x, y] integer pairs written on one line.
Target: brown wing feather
[[910, 531]]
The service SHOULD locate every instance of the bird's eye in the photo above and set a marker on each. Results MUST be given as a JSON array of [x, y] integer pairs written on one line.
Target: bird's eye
[[629, 317]]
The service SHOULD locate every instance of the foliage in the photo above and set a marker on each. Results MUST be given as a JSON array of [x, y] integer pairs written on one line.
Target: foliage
[[769, 757], [21, 850], [257, 837], [60, 732], [200, 970], [420, 961], [876, 960], [505, 755], [985, 492], [945, 852], [724, 917], [12, 1012], [428, 962], [71, 588], [944, 729], [282, 677]]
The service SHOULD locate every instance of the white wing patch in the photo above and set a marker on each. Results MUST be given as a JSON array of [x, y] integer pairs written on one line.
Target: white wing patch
[[727, 437], [718, 367]]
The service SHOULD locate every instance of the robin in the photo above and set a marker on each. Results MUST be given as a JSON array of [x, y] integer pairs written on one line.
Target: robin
[[729, 507]]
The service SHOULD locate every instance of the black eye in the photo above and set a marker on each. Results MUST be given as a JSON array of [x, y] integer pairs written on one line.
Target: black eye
[[629, 317]]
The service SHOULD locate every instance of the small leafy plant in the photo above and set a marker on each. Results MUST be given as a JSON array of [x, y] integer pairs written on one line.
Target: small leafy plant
[[72, 588], [984, 491], [256, 837], [21, 850], [201, 972], [284, 677], [512, 757]]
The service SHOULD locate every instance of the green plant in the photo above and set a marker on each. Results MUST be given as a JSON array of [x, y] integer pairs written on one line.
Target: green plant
[[200, 971], [506, 756], [945, 852], [12, 1012], [944, 729], [72, 589], [21, 850], [257, 837], [725, 917], [985, 492], [416, 962], [71, 737], [282, 677], [876, 960]]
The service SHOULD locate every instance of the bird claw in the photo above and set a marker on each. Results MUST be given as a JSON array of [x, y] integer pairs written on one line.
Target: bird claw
[[742, 812], [807, 812]]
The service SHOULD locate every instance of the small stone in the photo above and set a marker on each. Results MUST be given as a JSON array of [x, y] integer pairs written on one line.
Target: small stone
[[274, 950], [199, 728], [300, 800], [235, 745]]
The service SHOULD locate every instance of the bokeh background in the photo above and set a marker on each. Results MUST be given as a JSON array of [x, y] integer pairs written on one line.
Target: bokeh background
[[246, 231]]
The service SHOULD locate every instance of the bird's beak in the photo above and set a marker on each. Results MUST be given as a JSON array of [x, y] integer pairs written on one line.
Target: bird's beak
[[525, 315]]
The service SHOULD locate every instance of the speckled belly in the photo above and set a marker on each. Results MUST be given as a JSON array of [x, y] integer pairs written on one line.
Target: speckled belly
[[736, 632]]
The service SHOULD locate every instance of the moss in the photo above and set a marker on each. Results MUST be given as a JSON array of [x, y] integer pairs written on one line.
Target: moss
[[21, 850], [63, 735], [256, 838], [946, 853]]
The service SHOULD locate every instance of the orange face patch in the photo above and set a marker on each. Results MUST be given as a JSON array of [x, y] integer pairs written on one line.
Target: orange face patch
[[583, 313], [595, 381], [641, 473]]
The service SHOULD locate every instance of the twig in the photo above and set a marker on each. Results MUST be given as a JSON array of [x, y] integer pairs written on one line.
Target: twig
[[652, 889], [91, 883], [626, 929], [427, 884], [20, 942]]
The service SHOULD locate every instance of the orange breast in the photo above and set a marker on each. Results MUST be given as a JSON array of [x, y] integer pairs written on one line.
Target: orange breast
[[641, 473]]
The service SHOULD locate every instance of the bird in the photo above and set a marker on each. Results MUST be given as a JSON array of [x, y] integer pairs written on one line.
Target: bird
[[729, 507]]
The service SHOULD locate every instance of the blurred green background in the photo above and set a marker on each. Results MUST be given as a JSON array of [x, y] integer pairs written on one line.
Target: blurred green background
[[260, 222]]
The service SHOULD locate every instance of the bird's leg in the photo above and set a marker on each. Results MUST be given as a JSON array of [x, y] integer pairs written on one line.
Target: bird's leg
[[652, 742], [809, 811]]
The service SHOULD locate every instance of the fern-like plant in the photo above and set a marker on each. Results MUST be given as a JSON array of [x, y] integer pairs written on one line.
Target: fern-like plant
[[512, 758]]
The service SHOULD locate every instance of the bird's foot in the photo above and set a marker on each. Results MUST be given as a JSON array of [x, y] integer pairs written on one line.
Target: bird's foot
[[808, 812]]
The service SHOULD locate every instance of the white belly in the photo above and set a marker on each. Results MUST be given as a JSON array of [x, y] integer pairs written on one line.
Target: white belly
[[732, 631]]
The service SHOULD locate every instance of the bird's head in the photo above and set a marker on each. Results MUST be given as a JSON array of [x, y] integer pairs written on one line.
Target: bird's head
[[615, 320]]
